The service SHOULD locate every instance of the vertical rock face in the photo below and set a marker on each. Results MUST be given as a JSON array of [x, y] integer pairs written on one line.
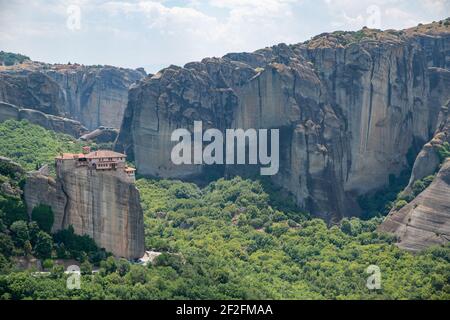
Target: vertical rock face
[[424, 221], [102, 204], [95, 96], [350, 106]]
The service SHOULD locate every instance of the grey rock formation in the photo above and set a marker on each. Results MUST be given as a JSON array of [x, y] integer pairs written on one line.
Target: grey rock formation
[[94, 95], [350, 106], [101, 135], [425, 221], [428, 160], [101, 204], [51, 122]]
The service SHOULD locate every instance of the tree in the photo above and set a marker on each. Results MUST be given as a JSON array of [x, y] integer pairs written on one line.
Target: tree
[[6, 244], [44, 245], [123, 266], [47, 264], [27, 248], [2, 224], [33, 230], [137, 274], [57, 271], [86, 268], [109, 265], [44, 217], [20, 232]]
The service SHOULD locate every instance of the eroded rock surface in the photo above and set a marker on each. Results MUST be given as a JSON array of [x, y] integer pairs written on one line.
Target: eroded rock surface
[[101, 135], [101, 204], [425, 221], [350, 107], [94, 95]]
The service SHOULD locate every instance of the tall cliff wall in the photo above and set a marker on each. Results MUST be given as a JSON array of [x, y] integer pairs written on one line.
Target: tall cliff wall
[[94, 95], [102, 204], [425, 220], [350, 106]]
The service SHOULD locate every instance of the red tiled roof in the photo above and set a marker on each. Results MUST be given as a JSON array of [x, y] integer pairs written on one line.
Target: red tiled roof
[[92, 155], [69, 156]]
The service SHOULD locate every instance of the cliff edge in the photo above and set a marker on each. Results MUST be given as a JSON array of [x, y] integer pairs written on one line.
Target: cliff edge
[[350, 106], [103, 204]]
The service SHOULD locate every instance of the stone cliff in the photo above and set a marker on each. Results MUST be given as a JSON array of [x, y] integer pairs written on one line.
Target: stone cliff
[[93, 95], [102, 204], [425, 221], [350, 107], [48, 121]]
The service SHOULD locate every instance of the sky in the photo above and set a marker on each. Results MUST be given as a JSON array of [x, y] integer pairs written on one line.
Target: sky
[[155, 34]]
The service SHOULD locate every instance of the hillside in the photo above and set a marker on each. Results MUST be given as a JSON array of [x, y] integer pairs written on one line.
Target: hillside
[[231, 239], [364, 122]]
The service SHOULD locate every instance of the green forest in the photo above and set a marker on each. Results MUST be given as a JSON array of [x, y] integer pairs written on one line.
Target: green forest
[[232, 239]]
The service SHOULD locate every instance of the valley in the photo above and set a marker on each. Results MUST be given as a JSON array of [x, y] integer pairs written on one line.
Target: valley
[[363, 179]]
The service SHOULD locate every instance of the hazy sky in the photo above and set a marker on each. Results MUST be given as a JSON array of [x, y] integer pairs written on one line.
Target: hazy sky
[[155, 34]]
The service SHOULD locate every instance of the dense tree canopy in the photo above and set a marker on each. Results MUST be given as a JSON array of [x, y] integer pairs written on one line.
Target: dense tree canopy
[[233, 239]]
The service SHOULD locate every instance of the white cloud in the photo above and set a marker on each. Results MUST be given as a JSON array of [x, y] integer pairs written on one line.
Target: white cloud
[[158, 32], [243, 27], [396, 14]]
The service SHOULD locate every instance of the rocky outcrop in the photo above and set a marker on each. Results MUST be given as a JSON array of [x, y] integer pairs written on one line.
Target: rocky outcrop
[[55, 123], [101, 204], [350, 107], [428, 160], [101, 135], [425, 221], [94, 95]]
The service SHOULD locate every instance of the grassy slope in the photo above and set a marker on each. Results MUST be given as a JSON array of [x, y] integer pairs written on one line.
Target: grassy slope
[[32, 145]]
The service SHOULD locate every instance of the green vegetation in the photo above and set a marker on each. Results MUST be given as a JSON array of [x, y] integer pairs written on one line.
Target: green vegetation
[[400, 204], [233, 239], [11, 206], [31, 145], [381, 202], [213, 248], [9, 59], [444, 151], [82, 248], [44, 217], [34, 146]]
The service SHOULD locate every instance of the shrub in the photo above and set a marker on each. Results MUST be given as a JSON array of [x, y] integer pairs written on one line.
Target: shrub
[[123, 266], [20, 232], [44, 245], [444, 151], [44, 217], [86, 268], [400, 204], [47, 264], [71, 245]]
